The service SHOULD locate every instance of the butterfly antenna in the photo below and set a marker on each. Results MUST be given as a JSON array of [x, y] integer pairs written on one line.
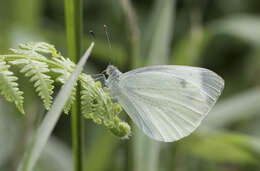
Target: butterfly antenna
[[109, 42], [93, 36]]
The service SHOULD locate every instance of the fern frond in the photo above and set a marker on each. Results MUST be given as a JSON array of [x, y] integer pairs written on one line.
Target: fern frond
[[40, 62], [97, 104], [70, 101], [38, 49], [63, 75], [90, 100], [9, 87], [36, 71]]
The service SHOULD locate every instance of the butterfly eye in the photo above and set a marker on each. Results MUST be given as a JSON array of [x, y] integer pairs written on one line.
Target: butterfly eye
[[100, 79]]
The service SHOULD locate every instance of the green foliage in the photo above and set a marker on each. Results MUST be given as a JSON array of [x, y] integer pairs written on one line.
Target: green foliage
[[41, 63], [98, 158], [36, 71], [224, 148], [8, 86], [189, 50], [63, 76], [243, 26], [38, 49], [93, 96], [43, 133]]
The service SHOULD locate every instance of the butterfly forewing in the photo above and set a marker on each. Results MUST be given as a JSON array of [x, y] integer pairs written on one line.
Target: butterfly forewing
[[169, 102]]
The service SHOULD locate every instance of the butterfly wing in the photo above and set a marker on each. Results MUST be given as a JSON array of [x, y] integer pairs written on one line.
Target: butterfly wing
[[169, 102]]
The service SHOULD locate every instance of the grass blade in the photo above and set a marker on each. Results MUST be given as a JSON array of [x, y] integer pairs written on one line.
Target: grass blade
[[224, 147], [235, 108], [162, 33], [44, 131], [246, 27]]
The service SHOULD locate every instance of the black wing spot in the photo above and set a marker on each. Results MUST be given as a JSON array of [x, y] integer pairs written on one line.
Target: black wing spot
[[183, 83]]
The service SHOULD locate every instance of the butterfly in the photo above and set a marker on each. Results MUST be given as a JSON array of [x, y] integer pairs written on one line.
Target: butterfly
[[166, 102]]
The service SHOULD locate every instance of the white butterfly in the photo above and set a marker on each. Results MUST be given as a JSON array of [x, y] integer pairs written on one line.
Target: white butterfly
[[166, 102]]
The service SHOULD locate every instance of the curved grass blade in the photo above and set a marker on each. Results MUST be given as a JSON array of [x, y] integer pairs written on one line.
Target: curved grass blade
[[235, 108], [44, 131]]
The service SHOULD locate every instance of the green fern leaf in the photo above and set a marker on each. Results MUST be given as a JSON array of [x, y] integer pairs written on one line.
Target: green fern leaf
[[97, 104], [36, 49], [36, 71], [70, 101], [9, 87], [64, 73], [62, 78], [90, 100]]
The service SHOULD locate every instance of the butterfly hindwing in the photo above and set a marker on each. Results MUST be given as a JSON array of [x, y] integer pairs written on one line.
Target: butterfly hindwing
[[169, 102]]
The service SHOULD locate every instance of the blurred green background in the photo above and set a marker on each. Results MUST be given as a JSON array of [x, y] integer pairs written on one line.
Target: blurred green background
[[220, 35]]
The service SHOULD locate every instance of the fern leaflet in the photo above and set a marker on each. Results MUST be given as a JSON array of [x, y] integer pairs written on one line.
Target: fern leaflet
[[36, 71], [39, 49], [64, 73], [9, 87]]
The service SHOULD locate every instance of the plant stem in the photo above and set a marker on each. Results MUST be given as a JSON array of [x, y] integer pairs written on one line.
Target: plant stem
[[134, 34], [73, 12]]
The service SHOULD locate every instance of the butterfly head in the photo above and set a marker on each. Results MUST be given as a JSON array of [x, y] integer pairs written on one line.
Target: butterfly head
[[112, 71], [113, 79]]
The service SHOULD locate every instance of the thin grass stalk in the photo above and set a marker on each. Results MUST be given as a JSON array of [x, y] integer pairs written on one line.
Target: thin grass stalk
[[134, 34], [133, 61], [74, 19]]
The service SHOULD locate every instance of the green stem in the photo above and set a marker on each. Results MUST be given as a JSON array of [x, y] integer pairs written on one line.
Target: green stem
[[73, 12], [134, 34]]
